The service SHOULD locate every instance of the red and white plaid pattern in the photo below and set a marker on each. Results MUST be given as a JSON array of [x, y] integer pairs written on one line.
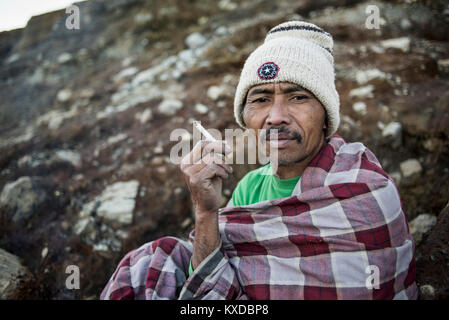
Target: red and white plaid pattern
[[344, 217]]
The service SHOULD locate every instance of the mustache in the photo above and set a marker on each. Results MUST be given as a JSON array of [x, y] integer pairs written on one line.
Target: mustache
[[291, 133]]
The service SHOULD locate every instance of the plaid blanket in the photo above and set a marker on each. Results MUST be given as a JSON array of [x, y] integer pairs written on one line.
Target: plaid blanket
[[342, 234]]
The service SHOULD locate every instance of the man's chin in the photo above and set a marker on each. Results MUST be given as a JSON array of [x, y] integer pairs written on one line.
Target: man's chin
[[285, 160]]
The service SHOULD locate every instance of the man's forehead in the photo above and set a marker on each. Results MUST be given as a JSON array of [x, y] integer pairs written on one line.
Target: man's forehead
[[272, 86]]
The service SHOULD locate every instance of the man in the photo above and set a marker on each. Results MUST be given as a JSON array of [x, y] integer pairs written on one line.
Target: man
[[326, 223]]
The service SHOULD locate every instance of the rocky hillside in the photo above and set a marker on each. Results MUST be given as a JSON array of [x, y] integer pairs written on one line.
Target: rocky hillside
[[86, 117]]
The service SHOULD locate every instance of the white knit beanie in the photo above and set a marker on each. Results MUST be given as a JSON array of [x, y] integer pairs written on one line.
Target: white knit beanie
[[296, 52]]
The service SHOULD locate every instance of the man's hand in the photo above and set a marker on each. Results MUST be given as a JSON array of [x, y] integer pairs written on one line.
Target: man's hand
[[204, 168]]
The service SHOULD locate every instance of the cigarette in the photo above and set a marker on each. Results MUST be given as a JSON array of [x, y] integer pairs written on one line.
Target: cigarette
[[208, 136]]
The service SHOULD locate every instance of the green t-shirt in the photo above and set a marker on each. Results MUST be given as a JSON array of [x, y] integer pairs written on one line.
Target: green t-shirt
[[259, 185]]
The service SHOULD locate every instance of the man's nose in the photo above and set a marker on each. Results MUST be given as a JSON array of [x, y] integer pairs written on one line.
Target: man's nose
[[278, 113]]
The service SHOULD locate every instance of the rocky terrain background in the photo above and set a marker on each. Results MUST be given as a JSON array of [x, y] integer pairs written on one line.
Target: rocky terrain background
[[86, 117]]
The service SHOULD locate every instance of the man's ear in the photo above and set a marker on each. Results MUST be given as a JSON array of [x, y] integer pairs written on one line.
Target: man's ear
[[242, 109], [325, 125]]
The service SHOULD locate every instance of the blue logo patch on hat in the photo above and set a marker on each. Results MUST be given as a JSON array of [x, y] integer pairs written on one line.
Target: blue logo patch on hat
[[268, 71]]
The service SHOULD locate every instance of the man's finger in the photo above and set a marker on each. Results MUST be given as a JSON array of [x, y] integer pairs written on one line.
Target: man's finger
[[218, 159], [195, 154], [209, 159], [211, 171], [204, 147], [220, 147]]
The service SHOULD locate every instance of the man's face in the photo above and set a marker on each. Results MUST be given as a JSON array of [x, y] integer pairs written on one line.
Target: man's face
[[294, 111]]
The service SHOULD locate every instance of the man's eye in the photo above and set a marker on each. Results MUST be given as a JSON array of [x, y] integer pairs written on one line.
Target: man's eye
[[260, 100], [299, 97]]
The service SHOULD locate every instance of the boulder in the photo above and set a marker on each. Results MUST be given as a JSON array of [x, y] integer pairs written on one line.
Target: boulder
[[144, 116], [427, 292], [432, 260], [216, 92], [114, 206], [13, 276], [64, 95], [443, 66], [69, 156], [410, 167], [392, 134], [364, 76], [195, 40], [64, 57], [402, 43], [201, 108], [50, 159], [362, 92], [169, 107], [21, 197], [422, 224], [392, 129], [360, 108]]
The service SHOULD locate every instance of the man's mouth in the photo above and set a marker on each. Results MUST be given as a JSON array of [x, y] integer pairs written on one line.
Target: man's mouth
[[280, 141], [279, 138]]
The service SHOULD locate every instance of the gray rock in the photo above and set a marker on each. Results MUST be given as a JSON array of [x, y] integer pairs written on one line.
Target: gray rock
[[364, 76], [402, 44], [227, 5], [54, 118], [21, 197], [125, 73], [44, 252], [426, 292], [99, 219], [150, 74], [69, 156], [107, 244], [85, 227], [115, 139], [50, 158], [99, 235], [169, 106], [13, 58], [406, 24], [64, 95], [201, 108], [362, 92], [64, 57], [420, 225], [87, 93], [144, 116], [443, 66], [114, 206], [215, 92], [360, 108], [12, 275], [142, 18], [392, 129], [195, 40], [392, 132], [410, 167]]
